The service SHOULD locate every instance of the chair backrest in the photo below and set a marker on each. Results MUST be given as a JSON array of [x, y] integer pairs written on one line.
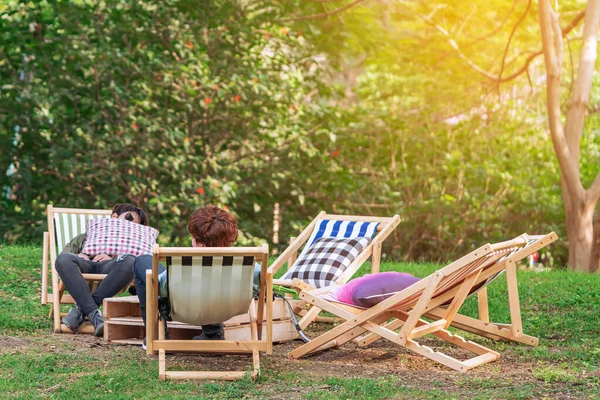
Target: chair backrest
[[66, 223], [208, 285], [346, 226], [448, 280]]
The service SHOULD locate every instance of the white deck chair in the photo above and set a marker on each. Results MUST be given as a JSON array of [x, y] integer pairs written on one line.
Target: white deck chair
[[63, 225], [404, 310], [208, 285]]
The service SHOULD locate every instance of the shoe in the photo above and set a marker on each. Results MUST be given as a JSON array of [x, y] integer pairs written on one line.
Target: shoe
[[73, 319], [96, 318], [144, 347], [220, 335]]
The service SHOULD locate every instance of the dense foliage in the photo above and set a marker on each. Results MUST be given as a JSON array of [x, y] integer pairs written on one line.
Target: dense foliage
[[246, 104], [170, 105]]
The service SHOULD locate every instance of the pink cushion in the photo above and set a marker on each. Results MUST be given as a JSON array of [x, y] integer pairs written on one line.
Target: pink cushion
[[117, 236], [371, 289]]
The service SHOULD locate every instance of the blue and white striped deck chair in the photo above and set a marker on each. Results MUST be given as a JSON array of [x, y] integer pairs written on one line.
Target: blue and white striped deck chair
[[338, 226], [63, 225], [508, 265]]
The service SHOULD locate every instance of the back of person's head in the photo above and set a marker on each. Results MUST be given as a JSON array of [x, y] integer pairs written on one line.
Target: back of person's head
[[213, 227], [124, 208]]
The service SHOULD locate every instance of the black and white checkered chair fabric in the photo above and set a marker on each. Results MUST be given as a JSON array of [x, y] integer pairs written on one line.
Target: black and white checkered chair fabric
[[326, 260]]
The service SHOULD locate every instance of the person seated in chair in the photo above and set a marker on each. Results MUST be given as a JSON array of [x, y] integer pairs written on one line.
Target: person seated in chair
[[72, 263], [209, 226]]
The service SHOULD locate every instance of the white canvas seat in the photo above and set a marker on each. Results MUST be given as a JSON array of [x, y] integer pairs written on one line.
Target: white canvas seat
[[208, 285]]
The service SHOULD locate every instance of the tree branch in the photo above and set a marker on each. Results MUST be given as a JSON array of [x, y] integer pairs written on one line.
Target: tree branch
[[325, 14], [551, 49], [593, 193], [499, 78], [512, 33], [496, 30], [576, 112], [455, 46]]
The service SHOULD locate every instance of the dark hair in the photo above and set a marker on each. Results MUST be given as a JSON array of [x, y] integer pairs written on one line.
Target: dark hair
[[213, 227], [128, 207]]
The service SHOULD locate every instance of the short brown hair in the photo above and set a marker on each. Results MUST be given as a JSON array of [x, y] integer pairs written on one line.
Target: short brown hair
[[213, 227]]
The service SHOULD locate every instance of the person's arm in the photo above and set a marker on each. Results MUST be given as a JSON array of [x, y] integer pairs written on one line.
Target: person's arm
[[76, 245], [162, 284]]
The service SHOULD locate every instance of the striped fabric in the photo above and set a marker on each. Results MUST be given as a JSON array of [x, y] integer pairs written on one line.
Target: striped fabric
[[334, 229], [343, 229], [495, 276], [209, 289], [68, 225]]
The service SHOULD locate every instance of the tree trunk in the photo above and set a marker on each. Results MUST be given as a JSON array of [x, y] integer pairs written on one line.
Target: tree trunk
[[580, 235], [584, 244]]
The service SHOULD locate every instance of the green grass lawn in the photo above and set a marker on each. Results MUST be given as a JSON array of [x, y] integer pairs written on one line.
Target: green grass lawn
[[561, 308]]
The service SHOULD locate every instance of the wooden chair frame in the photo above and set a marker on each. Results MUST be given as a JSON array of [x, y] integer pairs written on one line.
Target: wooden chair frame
[[373, 250], [49, 254], [405, 309], [482, 325], [155, 337]]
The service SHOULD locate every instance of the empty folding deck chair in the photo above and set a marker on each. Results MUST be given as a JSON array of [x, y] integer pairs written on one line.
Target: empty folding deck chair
[[359, 237], [63, 225], [482, 325], [207, 285], [447, 288]]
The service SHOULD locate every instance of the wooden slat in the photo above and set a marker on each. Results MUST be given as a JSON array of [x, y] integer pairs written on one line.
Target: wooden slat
[[427, 329], [222, 346], [46, 244], [213, 251], [482, 305], [211, 375]]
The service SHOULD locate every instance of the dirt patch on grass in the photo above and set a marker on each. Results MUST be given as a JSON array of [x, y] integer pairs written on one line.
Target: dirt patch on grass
[[307, 375], [12, 342]]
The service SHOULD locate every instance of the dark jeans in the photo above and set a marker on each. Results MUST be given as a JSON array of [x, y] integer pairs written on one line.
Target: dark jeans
[[143, 263], [70, 268]]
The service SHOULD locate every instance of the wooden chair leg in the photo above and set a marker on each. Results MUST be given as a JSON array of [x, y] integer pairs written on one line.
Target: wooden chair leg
[[513, 299], [45, 268], [162, 365], [309, 317]]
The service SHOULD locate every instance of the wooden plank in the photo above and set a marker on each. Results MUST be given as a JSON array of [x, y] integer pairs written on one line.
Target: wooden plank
[[416, 312], [427, 329], [482, 305], [87, 211], [221, 346], [460, 297], [116, 330], [46, 243], [201, 375], [293, 254], [214, 251], [376, 258], [489, 330], [130, 341], [65, 299], [513, 299], [358, 218]]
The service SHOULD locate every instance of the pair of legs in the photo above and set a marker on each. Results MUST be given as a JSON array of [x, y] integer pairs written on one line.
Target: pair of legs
[[70, 268], [144, 263]]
